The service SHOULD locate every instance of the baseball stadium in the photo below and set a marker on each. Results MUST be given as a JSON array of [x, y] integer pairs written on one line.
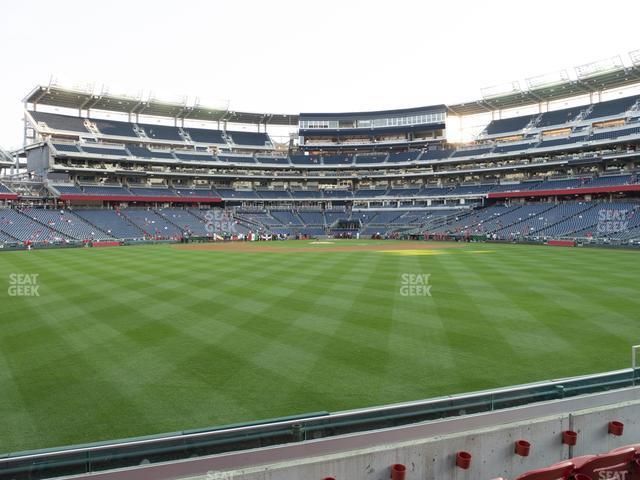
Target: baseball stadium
[[193, 292]]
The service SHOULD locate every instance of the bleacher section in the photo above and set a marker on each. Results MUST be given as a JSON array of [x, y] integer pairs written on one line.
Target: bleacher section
[[120, 152], [577, 128], [152, 223], [162, 132], [106, 190], [254, 139], [68, 189], [236, 159], [436, 154], [186, 220], [558, 118], [306, 194], [144, 152], [153, 192], [149, 132], [194, 157], [586, 155], [273, 160], [202, 135], [65, 147], [507, 125], [337, 160], [24, 228], [612, 134], [112, 222], [517, 147], [67, 223], [556, 142], [582, 220], [115, 128], [274, 194], [612, 107], [230, 194], [563, 118], [403, 157], [60, 122], [578, 139], [413, 193]]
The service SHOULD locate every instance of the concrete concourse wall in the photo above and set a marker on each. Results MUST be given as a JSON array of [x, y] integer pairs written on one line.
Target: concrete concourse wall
[[427, 449], [492, 450]]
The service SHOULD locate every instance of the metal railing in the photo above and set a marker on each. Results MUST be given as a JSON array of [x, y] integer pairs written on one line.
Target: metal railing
[[131, 452]]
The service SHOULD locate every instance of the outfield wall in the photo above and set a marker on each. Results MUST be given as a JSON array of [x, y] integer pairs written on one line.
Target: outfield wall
[[427, 449]]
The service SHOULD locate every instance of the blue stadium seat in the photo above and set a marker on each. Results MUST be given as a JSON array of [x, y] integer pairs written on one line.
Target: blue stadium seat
[[202, 135], [256, 139], [162, 132]]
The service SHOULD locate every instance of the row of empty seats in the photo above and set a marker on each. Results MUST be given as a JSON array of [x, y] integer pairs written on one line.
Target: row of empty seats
[[520, 147], [363, 193], [559, 118], [39, 225], [598, 220], [321, 222], [164, 133]]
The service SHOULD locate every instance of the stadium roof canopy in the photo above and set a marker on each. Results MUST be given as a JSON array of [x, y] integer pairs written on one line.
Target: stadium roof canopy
[[56, 96], [590, 78]]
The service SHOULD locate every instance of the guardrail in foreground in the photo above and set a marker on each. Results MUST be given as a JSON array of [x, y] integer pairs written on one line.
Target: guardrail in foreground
[[174, 446]]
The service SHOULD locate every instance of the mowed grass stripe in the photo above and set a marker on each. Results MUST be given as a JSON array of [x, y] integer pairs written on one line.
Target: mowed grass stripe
[[148, 339], [566, 307]]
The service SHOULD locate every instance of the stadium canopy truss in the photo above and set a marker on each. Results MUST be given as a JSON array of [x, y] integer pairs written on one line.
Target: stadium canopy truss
[[6, 160], [588, 79], [53, 95], [591, 78]]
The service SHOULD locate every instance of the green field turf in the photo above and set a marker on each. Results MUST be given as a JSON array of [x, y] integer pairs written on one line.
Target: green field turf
[[140, 340]]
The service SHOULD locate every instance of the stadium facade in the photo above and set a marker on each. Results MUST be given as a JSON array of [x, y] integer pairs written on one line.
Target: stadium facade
[[101, 158]]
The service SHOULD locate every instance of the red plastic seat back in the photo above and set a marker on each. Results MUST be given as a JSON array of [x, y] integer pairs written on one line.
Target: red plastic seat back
[[560, 471], [635, 446], [616, 461]]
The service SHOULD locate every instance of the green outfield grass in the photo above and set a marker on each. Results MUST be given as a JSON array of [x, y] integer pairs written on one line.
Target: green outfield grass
[[140, 340]]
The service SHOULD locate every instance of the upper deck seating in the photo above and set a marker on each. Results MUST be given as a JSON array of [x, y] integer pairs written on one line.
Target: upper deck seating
[[162, 132], [509, 125], [144, 152], [61, 122], [611, 108], [203, 135], [115, 128], [255, 139]]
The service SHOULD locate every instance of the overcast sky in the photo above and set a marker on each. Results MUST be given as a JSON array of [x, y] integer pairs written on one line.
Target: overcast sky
[[296, 56]]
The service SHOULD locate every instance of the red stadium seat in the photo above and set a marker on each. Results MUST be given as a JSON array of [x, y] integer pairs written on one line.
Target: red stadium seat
[[559, 471], [597, 466], [635, 446], [635, 475]]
